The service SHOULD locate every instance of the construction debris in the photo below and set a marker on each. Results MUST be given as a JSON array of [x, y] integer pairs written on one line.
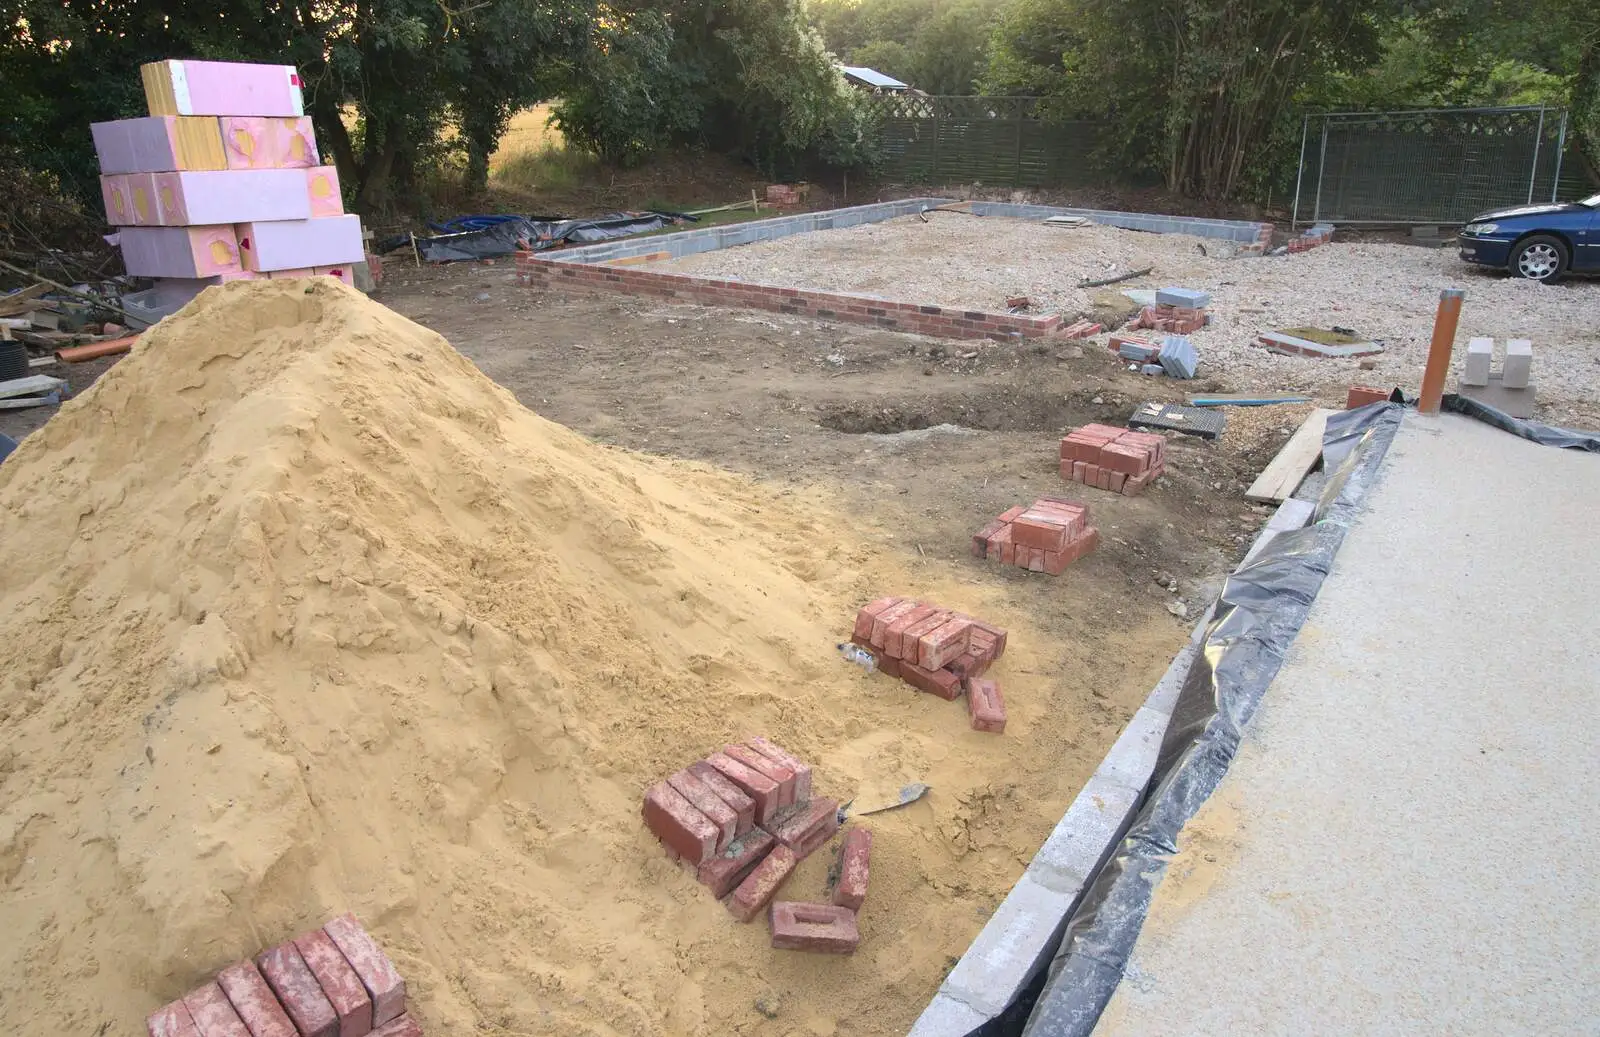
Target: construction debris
[[1317, 342], [1082, 328], [1172, 417], [1174, 317], [1511, 388], [1118, 279], [1282, 476], [1110, 458], [1045, 537]]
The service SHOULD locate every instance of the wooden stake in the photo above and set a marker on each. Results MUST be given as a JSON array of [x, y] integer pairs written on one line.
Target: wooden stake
[[1444, 339]]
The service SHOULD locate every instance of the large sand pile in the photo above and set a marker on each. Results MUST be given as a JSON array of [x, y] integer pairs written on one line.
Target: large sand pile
[[301, 613]]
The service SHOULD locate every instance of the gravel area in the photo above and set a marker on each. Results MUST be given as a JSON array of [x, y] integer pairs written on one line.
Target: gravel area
[[1387, 292]]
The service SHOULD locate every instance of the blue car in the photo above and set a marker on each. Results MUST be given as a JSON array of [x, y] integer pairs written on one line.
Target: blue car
[[1539, 242]]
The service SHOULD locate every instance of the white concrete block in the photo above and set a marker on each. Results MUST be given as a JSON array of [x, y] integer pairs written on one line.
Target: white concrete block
[[1518, 368], [1480, 353]]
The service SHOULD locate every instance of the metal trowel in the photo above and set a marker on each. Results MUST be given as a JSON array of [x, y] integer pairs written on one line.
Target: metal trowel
[[910, 794]]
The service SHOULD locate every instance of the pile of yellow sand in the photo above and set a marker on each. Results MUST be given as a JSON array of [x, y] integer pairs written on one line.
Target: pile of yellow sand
[[301, 613]]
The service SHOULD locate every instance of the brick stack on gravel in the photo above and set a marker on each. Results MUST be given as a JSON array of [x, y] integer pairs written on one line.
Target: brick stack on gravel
[[1110, 458], [1044, 537], [333, 980], [1178, 311], [932, 649]]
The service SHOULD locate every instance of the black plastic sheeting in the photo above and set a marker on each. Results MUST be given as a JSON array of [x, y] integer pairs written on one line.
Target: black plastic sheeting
[[1546, 435], [1260, 611], [502, 237]]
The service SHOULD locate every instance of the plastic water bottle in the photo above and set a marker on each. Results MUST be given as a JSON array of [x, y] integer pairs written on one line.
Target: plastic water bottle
[[858, 655]]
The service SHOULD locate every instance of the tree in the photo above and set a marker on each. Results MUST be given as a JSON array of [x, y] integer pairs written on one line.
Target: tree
[[938, 46]]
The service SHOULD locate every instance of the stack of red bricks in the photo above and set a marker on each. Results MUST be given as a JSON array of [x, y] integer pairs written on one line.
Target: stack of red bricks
[[937, 651], [330, 982], [782, 194], [1175, 320], [743, 818], [1045, 537], [1110, 458], [1080, 329]]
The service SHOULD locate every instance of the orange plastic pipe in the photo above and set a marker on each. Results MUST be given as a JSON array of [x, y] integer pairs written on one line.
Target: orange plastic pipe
[[1444, 340], [95, 350]]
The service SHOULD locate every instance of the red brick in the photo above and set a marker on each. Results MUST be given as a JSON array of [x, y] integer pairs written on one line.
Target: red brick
[[404, 1026], [894, 643], [948, 641], [855, 867], [980, 539], [784, 776], [729, 868], [1086, 544], [254, 1001], [1091, 475], [212, 1014], [985, 706], [1075, 474], [942, 683], [1139, 482], [298, 991], [882, 621], [1035, 560], [972, 664], [1055, 563], [1130, 460], [1117, 479], [778, 754], [759, 886], [743, 806], [1010, 514], [888, 666], [806, 826], [338, 981], [1362, 395], [996, 634], [373, 967], [909, 647], [864, 617], [677, 823], [757, 786], [998, 543], [1040, 529], [1103, 478], [700, 795], [826, 928], [172, 1020]]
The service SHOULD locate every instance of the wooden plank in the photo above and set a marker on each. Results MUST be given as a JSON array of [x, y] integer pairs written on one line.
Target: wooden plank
[[19, 302], [31, 385], [41, 361], [1278, 481]]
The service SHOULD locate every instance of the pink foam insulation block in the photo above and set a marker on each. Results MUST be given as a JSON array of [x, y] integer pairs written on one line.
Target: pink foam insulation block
[[225, 88], [322, 185], [147, 145], [230, 196], [254, 142], [180, 251], [295, 244], [343, 273], [130, 199]]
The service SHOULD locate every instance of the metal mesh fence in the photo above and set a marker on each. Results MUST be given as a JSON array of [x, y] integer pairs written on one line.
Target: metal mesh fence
[[1436, 166], [999, 141]]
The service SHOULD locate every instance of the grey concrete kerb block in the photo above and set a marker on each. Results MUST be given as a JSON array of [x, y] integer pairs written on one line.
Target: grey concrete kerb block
[[1021, 936]]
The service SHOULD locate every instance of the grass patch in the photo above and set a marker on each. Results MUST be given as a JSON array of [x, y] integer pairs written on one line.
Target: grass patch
[[548, 167]]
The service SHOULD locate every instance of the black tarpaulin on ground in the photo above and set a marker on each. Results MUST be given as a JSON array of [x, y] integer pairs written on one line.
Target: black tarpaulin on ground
[[502, 237], [1545, 435], [1258, 614]]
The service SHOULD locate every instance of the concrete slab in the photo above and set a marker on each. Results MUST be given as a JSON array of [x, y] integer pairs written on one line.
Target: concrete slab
[[1404, 843]]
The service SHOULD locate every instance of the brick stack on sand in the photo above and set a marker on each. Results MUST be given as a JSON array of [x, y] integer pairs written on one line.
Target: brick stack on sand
[[935, 650], [742, 819], [1111, 458], [1044, 537], [330, 982], [223, 181]]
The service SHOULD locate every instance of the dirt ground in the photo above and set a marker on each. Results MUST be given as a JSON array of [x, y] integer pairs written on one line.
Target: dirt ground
[[923, 441]]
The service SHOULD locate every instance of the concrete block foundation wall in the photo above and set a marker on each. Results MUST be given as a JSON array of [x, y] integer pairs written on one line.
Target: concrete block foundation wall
[[612, 267]]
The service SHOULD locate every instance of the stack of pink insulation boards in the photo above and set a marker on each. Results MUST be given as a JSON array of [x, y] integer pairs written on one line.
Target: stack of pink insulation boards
[[223, 181], [330, 982]]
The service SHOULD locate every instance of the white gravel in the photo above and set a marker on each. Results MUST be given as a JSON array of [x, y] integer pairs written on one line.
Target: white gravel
[[1387, 292]]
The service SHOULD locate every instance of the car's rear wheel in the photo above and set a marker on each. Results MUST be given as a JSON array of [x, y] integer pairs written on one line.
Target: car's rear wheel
[[1540, 258]]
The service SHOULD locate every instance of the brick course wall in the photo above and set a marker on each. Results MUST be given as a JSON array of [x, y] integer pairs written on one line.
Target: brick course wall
[[941, 321]]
